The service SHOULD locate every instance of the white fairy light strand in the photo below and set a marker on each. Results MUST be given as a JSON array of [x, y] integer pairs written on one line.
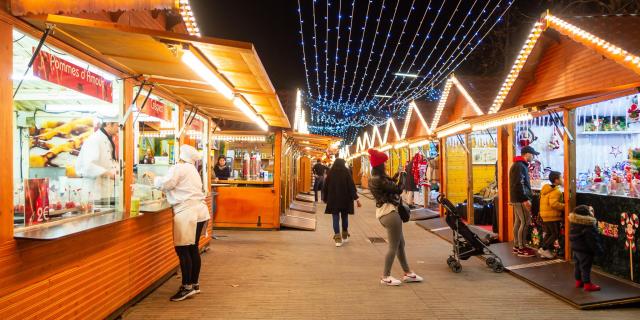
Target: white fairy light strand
[[434, 82], [371, 52], [304, 55], [384, 47], [364, 32], [326, 50], [346, 61], [315, 48], [336, 59], [424, 41]]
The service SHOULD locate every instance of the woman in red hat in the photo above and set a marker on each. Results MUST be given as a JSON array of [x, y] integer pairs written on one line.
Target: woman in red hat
[[387, 195]]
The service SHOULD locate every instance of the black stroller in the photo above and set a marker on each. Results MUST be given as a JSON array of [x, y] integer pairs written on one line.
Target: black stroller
[[466, 243]]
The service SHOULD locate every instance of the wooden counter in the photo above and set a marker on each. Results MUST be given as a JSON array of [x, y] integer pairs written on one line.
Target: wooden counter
[[247, 182], [246, 207]]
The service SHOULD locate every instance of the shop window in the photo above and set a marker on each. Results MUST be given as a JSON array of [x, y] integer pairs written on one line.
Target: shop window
[[484, 178], [66, 136], [544, 134], [247, 157], [155, 131]]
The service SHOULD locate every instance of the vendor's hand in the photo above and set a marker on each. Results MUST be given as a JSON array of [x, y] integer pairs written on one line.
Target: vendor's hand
[[358, 204]]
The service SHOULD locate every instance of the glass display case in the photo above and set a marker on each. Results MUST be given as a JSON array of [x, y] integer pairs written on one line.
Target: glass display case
[[66, 134], [155, 131], [484, 177], [249, 158]]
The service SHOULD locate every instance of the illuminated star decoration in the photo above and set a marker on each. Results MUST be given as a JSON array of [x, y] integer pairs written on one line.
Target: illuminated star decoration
[[365, 60], [615, 151]]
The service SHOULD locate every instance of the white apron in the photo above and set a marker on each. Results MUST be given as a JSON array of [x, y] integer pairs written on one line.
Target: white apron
[[185, 220]]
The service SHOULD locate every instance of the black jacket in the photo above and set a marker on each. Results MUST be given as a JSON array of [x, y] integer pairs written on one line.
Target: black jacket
[[519, 183], [339, 190], [583, 234], [222, 174], [385, 190], [319, 169]]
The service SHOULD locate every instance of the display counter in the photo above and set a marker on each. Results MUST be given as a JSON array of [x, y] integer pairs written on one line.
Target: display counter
[[248, 197]]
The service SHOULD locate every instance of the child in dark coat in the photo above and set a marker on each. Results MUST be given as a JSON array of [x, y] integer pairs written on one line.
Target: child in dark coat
[[585, 243]]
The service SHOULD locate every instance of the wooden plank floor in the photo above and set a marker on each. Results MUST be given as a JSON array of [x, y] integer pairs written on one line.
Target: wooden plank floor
[[302, 275]]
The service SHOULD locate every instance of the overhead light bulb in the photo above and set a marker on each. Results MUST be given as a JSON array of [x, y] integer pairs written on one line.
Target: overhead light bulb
[[204, 72]]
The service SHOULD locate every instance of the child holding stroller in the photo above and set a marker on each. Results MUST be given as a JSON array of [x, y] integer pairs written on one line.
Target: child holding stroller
[[551, 211], [585, 244]]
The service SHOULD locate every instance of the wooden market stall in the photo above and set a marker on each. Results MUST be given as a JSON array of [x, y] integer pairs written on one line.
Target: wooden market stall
[[469, 171], [106, 248], [573, 91]]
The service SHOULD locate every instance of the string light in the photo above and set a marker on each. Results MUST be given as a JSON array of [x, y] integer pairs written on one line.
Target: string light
[[189, 18], [245, 138], [523, 115], [453, 129], [453, 63]]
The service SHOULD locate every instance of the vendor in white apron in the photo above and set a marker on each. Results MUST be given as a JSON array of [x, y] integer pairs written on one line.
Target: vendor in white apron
[[183, 188], [97, 163]]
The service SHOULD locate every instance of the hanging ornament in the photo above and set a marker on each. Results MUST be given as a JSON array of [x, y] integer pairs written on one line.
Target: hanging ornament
[[526, 137], [630, 223], [615, 151], [554, 143], [633, 112]]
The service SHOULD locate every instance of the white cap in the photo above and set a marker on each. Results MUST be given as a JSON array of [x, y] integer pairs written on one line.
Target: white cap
[[109, 118], [189, 154]]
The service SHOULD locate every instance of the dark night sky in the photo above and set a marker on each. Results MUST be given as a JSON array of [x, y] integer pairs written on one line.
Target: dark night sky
[[271, 25]]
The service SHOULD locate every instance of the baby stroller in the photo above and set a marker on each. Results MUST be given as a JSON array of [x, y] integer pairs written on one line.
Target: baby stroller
[[466, 243]]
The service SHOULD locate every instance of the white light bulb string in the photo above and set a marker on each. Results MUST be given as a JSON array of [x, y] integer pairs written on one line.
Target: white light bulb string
[[336, 59], [304, 55], [364, 32], [346, 58], [315, 48]]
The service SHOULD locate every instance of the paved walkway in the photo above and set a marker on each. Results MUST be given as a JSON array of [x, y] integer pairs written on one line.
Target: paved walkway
[[302, 275]]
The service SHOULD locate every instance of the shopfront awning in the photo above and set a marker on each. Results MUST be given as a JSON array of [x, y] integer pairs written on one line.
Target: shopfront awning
[[312, 144], [157, 56]]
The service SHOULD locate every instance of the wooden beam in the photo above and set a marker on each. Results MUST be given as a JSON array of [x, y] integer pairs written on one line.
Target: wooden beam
[[6, 132]]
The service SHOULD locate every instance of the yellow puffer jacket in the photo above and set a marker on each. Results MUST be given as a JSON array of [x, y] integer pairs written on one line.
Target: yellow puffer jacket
[[551, 203]]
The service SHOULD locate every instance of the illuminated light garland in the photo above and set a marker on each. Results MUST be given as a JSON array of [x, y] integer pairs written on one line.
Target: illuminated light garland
[[523, 115], [453, 56], [453, 129], [533, 37], [246, 138], [188, 18], [451, 64], [384, 48], [346, 63], [336, 59], [405, 127], [419, 143], [364, 32], [315, 49], [304, 55], [441, 103], [386, 148], [466, 95], [419, 114], [401, 145]]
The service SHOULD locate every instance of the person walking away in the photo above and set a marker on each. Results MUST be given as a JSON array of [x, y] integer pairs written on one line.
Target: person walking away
[[97, 163], [585, 244], [318, 171], [221, 170], [339, 192], [521, 196], [183, 187], [551, 212], [386, 193]]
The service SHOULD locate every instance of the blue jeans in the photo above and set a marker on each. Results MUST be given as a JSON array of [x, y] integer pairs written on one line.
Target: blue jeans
[[336, 222]]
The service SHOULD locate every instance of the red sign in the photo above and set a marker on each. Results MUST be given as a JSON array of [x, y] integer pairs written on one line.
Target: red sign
[[36, 201], [155, 108], [59, 71], [196, 125]]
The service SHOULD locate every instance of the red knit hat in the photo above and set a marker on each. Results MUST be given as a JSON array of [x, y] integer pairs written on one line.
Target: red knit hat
[[376, 157]]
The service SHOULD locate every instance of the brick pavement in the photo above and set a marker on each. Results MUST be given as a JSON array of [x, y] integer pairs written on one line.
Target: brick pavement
[[302, 275]]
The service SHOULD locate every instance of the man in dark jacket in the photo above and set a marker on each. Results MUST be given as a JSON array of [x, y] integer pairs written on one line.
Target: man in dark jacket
[[521, 195], [318, 171], [585, 244]]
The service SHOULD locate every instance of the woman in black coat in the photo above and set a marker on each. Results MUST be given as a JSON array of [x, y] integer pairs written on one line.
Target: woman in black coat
[[339, 192]]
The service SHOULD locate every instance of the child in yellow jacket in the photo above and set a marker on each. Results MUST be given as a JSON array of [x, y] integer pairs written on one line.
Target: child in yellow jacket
[[551, 212]]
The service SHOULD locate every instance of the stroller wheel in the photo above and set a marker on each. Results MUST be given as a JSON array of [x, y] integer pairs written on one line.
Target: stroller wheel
[[456, 267], [491, 261], [450, 260], [498, 267]]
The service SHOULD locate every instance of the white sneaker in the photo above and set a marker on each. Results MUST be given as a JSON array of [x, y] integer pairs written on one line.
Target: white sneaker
[[390, 281], [338, 239], [412, 277]]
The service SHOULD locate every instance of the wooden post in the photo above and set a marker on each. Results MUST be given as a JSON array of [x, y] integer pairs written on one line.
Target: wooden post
[[508, 218], [503, 183], [129, 145], [470, 211], [6, 132], [569, 177], [443, 169], [277, 168]]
